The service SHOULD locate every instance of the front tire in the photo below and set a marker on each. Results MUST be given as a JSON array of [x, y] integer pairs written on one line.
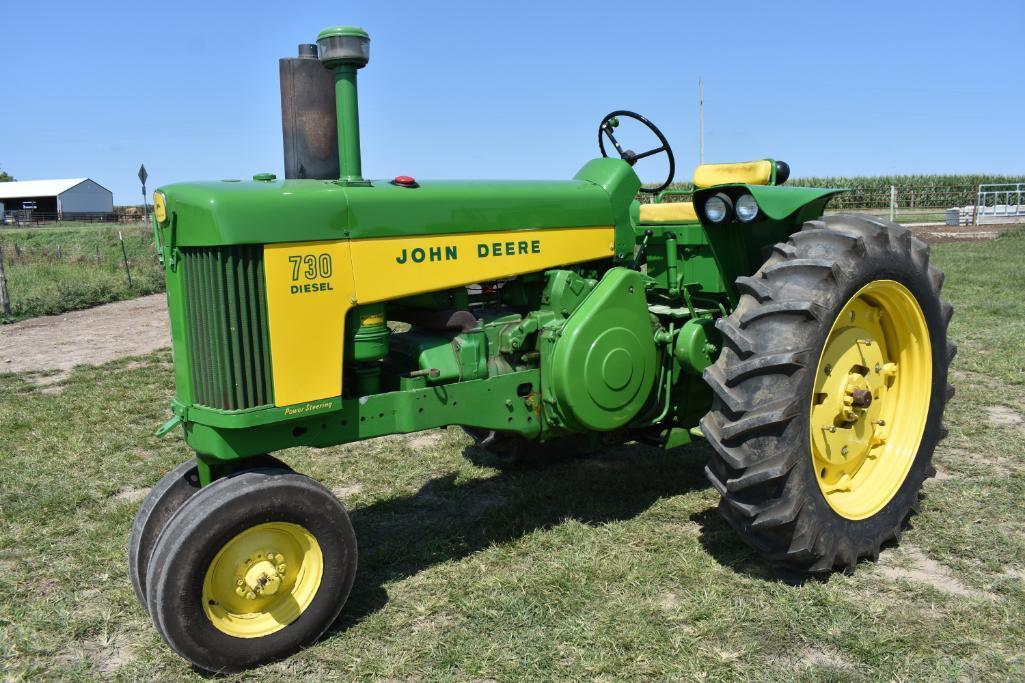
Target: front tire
[[829, 393], [253, 567], [162, 502]]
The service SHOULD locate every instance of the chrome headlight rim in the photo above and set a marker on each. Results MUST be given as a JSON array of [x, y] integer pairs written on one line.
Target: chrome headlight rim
[[743, 207], [725, 212]]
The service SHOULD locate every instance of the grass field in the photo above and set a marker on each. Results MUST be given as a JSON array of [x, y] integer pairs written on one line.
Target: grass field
[[613, 567], [89, 270]]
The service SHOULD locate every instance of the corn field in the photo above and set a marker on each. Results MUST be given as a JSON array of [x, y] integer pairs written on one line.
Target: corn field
[[914, 192]]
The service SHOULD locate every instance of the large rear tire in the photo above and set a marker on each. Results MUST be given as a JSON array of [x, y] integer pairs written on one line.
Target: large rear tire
[[829, 393]]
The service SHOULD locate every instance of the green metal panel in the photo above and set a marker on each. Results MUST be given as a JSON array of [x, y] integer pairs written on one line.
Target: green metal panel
[[219, 212], [776, 202], [779, 202], [618, 179], [228, 347], [507, 402], [601, 368]]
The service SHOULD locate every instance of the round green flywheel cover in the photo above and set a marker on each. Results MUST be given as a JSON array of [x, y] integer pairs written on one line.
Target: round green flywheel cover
[[604, 361]]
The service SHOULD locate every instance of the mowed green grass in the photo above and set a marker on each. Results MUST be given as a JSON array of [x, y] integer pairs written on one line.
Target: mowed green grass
[[614, 567], [89, 272]]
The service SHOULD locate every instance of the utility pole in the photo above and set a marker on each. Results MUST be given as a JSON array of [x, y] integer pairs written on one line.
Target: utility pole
[[701, 121]]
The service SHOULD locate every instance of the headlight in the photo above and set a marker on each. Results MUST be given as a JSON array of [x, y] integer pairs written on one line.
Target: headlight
[[747, 208], [717, 208]]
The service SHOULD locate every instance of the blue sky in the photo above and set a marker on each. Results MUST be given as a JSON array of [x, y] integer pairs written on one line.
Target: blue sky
[[515, 89]]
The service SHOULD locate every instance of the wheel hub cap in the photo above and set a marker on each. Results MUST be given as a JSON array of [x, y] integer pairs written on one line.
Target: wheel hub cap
[[262, 579], [871, 399]]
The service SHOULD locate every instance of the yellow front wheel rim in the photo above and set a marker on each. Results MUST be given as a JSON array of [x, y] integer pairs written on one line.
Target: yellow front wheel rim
[[262, 580], [871, 399]]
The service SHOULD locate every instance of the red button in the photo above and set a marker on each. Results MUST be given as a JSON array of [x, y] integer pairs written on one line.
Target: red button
[[405, 181]]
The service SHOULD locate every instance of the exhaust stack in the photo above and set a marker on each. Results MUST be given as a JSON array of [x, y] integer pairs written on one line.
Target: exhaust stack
[[309, 127]]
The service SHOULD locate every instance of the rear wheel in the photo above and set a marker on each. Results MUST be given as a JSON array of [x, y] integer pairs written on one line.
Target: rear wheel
[[829, 393], [255, 566]]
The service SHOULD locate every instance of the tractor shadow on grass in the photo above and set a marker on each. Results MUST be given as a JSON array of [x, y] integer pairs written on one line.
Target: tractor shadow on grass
[[448, 520], [721, 542]]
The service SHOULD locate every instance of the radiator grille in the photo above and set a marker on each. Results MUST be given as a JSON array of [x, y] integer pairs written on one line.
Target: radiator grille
[[226, 305]]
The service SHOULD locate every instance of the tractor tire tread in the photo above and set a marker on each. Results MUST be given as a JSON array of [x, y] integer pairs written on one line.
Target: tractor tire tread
[[772, 341]]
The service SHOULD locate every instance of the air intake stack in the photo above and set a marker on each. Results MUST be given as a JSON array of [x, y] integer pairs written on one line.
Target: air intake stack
[[345, 50]]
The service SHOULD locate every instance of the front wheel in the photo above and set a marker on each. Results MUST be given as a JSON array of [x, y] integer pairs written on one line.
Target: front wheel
[[252, 568], [162, 502], [829, 393]]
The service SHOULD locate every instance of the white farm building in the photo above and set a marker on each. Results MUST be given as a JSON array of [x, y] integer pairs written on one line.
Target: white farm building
[[60, 199]]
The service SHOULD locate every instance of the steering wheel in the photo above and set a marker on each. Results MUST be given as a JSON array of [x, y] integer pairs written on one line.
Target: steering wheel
[[628, 155]]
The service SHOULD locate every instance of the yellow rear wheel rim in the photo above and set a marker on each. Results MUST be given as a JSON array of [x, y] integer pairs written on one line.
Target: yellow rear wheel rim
[[871, 399], [262, 580]]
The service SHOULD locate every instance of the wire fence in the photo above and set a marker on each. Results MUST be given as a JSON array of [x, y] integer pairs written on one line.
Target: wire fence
[[30, 217], [924, 197], [46, 271]]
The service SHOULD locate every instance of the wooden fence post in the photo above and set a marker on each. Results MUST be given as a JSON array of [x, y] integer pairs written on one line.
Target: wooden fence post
[[5, 299], [124, 254]]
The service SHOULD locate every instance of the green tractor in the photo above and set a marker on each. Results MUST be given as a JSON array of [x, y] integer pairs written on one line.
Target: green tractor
[[810, 351]]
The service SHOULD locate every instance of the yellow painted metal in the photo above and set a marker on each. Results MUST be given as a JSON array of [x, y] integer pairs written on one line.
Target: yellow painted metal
[[309, 291], [262, 580], [159, 207], [871, 399], [672, 212], [388, 268], [312, 285], [749, 172]]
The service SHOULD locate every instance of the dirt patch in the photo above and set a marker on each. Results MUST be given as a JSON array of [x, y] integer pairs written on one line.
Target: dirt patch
[[1014, 573], [1002, 416], [961, 233], [348, 491], [927, 571], [668, 601], [106, 654], [984, 465], [423, 440], [478, 505], [90, 337], [823, 657], [130, 495]]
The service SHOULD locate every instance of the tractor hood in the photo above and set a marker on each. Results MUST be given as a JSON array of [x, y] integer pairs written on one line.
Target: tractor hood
[[262, 212]]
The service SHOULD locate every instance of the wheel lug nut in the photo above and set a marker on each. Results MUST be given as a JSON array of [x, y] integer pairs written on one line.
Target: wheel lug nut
[[843, 451]]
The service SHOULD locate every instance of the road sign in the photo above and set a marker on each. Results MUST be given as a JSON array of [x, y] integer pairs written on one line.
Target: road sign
[[142, 174]]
